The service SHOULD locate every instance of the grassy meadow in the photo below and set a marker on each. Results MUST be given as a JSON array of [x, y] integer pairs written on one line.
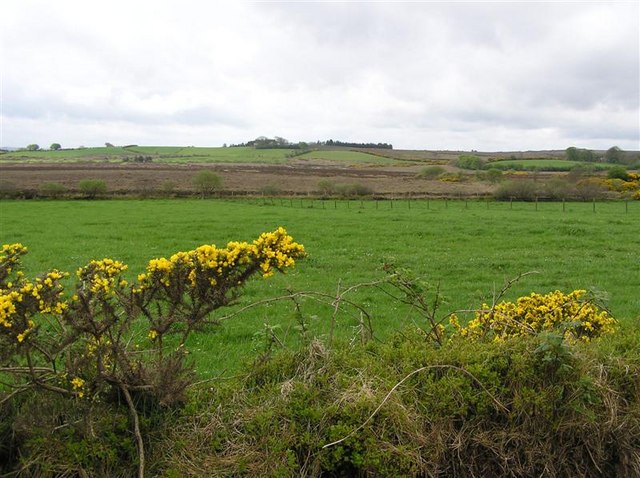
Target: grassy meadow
[[467, 249], [191, 154], [546, 164]]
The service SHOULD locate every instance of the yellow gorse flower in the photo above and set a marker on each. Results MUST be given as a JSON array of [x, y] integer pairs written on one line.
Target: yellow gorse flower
[[209, 265], [77, 385], [101, 277], [580, 319]]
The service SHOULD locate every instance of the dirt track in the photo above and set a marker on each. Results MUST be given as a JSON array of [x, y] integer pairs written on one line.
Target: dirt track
[[294, 178]]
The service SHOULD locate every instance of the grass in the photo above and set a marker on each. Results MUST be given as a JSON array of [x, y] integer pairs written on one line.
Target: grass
[[468, 249], [65, 154], [349, 157], [159, 154], [179, 154], [545, 164]]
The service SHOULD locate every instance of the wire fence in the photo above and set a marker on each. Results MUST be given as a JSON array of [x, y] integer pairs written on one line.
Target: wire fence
[[595, 206]]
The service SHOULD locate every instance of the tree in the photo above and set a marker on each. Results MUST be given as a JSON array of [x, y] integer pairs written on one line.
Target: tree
[[109, 145], [572, 153], [587, 155], [33, 147], [55, 146], [614, 155], [206, 182], [618, 172], [579, 154]]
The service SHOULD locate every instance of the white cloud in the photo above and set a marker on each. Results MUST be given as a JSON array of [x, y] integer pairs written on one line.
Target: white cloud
[[484, 76]]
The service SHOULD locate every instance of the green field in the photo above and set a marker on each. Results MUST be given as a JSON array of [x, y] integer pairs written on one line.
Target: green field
[[350, 157], [179, 154], [468, 249], [545, 165], [160, 154]]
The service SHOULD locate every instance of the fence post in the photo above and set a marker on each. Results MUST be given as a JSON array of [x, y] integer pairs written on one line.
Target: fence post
[[594, 204], [536, 203], [563, 206]]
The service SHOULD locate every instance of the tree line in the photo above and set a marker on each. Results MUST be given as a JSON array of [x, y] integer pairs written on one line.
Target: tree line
[[612, 155], [277, 142]]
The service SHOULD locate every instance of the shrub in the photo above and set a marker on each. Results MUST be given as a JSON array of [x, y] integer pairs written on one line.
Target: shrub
[[168, 187], [270, 190], [470, 161], [406, 407], [206, 182], [53, 190], [494, 175], [92, 188], [8, 189], [431, 172], [558, 188], [347, 190], [518, 190], [326, 187], [452, 177], [618, 172], [573, 315], [81, 348], [591, 188]]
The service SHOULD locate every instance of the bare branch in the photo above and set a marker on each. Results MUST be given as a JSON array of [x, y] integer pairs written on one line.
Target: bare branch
[[421, 369]]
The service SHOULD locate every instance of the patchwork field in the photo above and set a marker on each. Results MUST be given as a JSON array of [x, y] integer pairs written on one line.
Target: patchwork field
[[467, 249]]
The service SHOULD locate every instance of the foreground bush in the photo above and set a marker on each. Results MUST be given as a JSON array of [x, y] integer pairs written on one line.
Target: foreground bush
[[79, 356], [574, 315], [527, 407]]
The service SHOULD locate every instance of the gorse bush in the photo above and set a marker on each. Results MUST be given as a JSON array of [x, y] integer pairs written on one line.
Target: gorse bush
[[38, 323], [85, 347], [574, 315]]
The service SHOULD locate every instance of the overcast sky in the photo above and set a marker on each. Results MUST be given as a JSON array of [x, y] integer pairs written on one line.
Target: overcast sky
[[485, 76]]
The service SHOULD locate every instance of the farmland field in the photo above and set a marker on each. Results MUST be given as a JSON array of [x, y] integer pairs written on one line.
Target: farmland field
[[159, 154], [349, 157], [468, 249], [545, 164]]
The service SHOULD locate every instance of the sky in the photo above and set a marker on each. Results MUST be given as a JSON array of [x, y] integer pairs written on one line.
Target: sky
[[489, 76]]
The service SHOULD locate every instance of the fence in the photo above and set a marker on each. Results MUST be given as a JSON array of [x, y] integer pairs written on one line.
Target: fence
[[623, 206]]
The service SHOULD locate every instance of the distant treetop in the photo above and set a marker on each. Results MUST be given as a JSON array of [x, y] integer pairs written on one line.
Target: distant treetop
[[358, 145], [262, 142]]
